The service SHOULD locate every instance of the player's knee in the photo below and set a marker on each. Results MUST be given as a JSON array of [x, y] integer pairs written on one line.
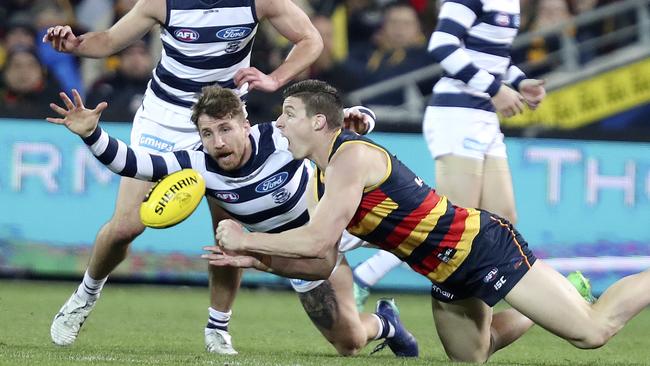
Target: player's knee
[[477, 354], [349, 346], [124, 230], [473, 357]]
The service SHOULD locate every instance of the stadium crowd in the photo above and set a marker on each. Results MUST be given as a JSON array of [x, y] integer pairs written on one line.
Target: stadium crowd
[[365, 41]]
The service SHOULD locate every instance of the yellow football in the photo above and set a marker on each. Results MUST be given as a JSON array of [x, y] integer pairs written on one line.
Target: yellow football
[[172, 199]]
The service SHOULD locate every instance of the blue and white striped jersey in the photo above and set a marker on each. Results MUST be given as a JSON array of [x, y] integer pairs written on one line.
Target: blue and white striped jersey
[[202, 45], [472, 43], [267, 194]]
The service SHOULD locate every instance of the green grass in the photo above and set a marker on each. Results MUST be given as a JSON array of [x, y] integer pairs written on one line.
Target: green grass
[[150, 325]]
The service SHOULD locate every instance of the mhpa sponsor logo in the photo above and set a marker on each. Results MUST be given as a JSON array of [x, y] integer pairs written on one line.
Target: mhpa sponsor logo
[[272, 182], [234, 33], [227, 196], [186, 35], [155, 143]]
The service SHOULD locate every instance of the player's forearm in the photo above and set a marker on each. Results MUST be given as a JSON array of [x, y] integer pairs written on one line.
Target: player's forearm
[[303, 54], [305, 269], [95, 45], [296, 243]]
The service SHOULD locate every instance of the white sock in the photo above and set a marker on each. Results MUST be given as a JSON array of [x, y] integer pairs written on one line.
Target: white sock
[[375, 268], [383, 323], [90, 288], [217, 320]]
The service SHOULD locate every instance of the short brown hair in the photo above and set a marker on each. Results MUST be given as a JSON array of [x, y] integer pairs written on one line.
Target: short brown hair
[[217, 102], [319, 97]]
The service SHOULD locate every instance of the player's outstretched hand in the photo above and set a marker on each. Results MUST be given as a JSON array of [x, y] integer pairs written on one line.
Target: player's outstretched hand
[[76, 117], [219, 258], [61, 38], [256, 80], [508, 102], [359, 119], [533, 91], [230, 235]]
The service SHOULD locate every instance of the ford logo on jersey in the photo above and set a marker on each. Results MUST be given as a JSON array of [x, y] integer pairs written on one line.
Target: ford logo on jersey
[[272, 182], [227, 196], [233, 33], [186, 35]]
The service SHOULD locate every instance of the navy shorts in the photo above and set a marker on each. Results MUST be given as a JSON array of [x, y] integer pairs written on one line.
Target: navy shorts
[[498, 260]]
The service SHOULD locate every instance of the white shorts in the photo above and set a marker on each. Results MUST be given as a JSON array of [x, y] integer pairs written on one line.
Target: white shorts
[[348, 242], [161, 127], [472, 133]]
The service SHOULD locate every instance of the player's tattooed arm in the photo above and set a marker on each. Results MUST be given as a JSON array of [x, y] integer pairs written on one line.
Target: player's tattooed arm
[[321, 305]]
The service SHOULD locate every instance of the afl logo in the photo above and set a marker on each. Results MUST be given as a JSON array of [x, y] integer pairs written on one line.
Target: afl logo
[[272, 183], [227, 196], [186, 35], [502, 19], [234, 33], [490, 276]]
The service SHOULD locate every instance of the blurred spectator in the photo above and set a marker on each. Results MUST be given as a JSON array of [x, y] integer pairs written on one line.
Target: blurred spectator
[[326, 67], [124, 89], [26, 91], [64, 67], [542, 55], [10, 8], [19, 33], [398, 47], [364, 18]]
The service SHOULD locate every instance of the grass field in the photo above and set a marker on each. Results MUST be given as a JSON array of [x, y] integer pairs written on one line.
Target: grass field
[[150, 325]]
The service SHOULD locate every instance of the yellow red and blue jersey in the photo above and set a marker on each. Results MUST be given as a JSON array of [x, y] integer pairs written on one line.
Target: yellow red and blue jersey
[[403, 215]]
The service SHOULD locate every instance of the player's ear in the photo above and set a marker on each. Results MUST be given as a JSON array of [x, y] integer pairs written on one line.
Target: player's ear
[[319, 122]]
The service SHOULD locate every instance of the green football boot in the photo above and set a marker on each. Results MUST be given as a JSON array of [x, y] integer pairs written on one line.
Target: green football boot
[[581, 283]]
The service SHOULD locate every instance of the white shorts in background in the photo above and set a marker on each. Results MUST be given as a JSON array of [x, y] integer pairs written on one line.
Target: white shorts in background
[[161, 127], [348, 242], [472, 133]]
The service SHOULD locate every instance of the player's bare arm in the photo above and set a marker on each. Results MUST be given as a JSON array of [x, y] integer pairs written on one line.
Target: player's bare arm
[[306, 269], [351, 169], [292, 23], [131, 27]]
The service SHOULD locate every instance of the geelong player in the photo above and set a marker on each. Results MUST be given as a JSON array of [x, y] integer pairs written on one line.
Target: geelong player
[[472, 257], [472, 43], [251, 175], [204, 42]]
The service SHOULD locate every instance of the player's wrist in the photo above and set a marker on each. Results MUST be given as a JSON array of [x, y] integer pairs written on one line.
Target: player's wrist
[[91, 137]]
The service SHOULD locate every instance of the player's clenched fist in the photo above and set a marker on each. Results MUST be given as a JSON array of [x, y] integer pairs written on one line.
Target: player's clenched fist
[[230, 235]]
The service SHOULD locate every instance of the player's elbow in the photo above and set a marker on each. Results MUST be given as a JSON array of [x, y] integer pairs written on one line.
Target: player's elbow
[[321, 243], [314, 42]]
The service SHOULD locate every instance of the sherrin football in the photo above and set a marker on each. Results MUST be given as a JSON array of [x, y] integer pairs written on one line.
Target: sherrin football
[[172, 199]]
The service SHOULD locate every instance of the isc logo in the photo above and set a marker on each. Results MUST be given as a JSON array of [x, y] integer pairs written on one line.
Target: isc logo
[[233, 33], [272, 182], [499, 283], [186, 35]]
